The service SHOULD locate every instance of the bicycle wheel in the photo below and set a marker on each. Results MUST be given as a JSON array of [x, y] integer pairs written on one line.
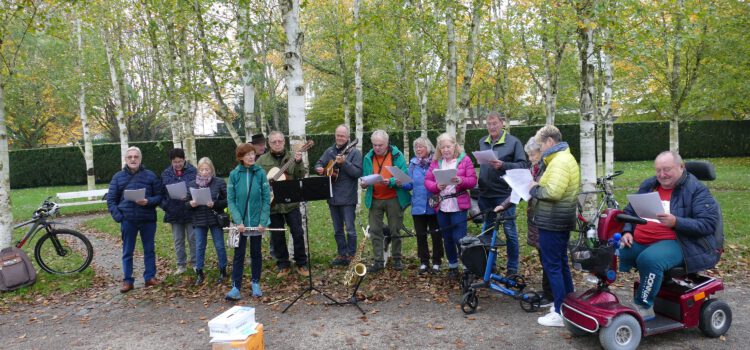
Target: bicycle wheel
[[63, 252]]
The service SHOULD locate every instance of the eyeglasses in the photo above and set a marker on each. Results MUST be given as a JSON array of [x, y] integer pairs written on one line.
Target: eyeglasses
[[276, 141], [132, 157]]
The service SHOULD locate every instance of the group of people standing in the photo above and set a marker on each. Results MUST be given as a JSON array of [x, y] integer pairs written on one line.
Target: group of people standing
[[442, 220]]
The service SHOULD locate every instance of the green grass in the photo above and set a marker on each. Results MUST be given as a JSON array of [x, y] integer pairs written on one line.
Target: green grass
[[732, 190]]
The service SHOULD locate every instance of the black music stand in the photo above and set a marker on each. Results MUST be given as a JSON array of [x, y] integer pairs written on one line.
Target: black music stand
[[304, 190]]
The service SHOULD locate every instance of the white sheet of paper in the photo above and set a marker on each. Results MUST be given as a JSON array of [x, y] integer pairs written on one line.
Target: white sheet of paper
[[515, 198], [484, 157], [444, 176], [399, 174], [134, 195], [201, 196], [177, 191], [520, 181], [646, 205], [371, 179]]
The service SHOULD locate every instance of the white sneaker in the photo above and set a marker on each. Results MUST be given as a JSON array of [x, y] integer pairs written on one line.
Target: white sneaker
[[435, 268], [180, 270], [552, 319]]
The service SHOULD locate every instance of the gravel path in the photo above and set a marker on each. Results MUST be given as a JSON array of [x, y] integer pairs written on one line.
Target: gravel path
[[155, 318]]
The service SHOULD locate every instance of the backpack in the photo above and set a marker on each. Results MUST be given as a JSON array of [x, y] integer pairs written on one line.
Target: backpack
[[16, 270]]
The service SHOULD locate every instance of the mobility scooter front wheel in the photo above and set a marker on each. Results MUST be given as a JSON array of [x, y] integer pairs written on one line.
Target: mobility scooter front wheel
[[716, 317], [469, 302], [624, 333]]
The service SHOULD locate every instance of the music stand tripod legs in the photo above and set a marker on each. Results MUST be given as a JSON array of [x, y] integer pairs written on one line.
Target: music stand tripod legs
[[316, 188], [353, 299]]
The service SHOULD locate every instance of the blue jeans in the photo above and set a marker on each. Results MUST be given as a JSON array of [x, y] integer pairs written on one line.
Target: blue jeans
[[201, 236], [293, 219], [509, 226], [651, 260], [130, 231], [452, 235], [343, 215], [182, 232], [554, 249], [238, 261]]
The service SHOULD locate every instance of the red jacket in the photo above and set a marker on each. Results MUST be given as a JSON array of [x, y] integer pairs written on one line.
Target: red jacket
[[465, 171]]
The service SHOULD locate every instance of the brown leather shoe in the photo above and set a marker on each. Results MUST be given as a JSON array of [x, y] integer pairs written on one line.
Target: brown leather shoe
[[152, 282], [303, 271], [126, 287]]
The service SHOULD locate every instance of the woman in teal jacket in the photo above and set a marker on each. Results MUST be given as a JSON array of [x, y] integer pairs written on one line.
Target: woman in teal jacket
[[248, 196]]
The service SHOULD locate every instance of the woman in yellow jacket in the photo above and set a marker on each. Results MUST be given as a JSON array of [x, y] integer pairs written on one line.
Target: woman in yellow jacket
[[554, 214]]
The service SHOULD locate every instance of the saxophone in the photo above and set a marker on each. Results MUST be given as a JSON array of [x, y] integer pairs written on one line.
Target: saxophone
[[356, 267]]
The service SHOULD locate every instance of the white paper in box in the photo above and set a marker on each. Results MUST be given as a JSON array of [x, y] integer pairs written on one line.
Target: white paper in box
[[235, 320]]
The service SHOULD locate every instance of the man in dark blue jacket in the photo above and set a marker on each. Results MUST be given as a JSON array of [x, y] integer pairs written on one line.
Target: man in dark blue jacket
[[135, 216], [175, 211], [685, 234]]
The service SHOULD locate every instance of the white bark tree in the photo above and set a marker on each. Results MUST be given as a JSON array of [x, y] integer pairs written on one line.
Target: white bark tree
[[247, 68], [358, 99], [471, 56], [553, 36], [588, 111], [222, 110], [293, 67], [88, 148], [116, 96], [451, 114]]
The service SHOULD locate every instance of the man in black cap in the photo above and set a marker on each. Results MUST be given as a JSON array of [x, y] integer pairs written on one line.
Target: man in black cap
[[259, 141]]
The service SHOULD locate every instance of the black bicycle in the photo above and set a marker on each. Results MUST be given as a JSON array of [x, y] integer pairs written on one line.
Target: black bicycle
[[58, 251]]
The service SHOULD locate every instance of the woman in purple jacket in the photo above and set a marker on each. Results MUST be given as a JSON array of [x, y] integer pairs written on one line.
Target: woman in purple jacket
[[455, 200]]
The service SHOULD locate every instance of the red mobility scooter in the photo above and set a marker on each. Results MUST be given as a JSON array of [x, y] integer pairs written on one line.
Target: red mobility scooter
[[684, 300]]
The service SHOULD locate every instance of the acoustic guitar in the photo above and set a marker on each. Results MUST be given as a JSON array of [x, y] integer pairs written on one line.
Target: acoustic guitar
[[279, 174], [329, 170]]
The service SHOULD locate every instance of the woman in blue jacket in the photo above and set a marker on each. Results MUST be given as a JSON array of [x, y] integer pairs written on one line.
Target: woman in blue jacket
[[425, 219]]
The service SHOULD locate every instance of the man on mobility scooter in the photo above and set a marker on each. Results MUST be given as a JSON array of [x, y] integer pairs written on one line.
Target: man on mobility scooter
[[684, 240]]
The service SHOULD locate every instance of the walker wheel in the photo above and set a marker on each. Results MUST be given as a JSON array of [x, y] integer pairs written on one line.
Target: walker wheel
[[469, 302], [530, 301]]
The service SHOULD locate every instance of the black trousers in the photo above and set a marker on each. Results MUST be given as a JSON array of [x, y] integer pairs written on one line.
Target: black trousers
[[423, 223], [293, 219]]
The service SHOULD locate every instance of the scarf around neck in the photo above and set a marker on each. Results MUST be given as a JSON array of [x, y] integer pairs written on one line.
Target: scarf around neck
[[203, 181]]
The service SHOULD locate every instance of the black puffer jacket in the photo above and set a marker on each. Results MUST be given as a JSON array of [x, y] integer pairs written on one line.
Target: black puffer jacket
[[203, 215], [699, 226]]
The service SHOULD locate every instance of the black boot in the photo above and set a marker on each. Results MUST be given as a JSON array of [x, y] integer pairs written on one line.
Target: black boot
[[222, 275], [199, 277]]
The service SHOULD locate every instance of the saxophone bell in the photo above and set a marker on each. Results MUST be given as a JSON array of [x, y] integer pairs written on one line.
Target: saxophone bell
[[360, 269]]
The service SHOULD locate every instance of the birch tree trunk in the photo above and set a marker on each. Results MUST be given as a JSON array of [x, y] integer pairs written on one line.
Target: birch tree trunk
[[166, 78], [608, 117], [6, 215], [246, 61], [116, 95], [222, 111], [674, 81], [88, 148], [421, 96], [358, 102], [451, 110], [187, 117], [344, 82], [471, 55], [293, 67], [588, 148]]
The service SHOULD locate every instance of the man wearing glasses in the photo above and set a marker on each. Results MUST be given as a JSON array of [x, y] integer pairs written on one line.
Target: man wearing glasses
[[135, 214]]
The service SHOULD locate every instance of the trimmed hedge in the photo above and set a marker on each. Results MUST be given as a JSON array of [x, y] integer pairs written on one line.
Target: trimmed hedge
[[633, 141]]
